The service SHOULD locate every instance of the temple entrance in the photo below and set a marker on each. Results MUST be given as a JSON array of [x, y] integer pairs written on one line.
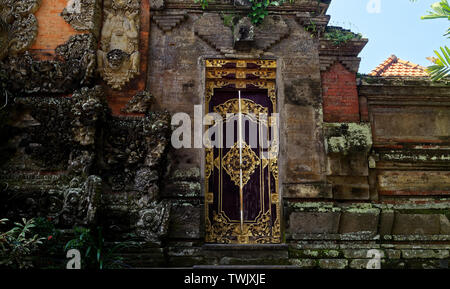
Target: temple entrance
[[241, 176]]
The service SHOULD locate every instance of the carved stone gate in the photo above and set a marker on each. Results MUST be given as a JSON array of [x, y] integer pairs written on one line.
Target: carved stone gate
[[241, 178]]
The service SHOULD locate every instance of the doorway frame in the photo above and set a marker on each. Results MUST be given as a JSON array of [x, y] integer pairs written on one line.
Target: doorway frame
[[240, 74]]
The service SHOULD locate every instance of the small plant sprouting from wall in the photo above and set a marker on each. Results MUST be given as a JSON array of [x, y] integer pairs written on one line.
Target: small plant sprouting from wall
[[312, 28], [340, 36], [204, 3], [259, 8]]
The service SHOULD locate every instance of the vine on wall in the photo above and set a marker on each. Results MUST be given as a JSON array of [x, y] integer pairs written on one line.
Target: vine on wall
[[259, 8]]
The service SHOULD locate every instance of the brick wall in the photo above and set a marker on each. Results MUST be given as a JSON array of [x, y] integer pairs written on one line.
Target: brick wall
[[53, 30], [340, 96]]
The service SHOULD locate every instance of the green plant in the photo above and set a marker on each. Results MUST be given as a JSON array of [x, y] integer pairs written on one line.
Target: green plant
[[17, 244], [203, 2], [94, 252], [340, 36], [441, 65], [259, 9], [45, 228], [228, 19], [311, 28]]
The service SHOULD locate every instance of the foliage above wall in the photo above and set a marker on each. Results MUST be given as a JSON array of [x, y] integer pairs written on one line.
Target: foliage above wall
[[259, 8], [340, 36]]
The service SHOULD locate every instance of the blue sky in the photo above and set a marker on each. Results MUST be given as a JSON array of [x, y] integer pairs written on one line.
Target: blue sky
[[396, 29]]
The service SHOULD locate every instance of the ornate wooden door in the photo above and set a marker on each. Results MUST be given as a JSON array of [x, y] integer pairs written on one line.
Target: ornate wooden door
[[241, 178]]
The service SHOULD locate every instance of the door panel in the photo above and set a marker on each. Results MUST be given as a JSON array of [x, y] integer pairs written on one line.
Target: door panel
[[260, 221]]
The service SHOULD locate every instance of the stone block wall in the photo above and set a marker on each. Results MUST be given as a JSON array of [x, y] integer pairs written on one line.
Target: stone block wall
[[364, 164]]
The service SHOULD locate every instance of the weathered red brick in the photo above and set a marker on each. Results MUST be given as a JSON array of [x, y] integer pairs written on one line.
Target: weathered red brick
[[340, 95]]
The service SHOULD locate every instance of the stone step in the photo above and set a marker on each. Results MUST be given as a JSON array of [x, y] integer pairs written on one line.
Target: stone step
[[244, 267], [248, 255]]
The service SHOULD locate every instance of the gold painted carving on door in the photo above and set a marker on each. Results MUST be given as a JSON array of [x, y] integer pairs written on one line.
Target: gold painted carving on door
[[242, 204]]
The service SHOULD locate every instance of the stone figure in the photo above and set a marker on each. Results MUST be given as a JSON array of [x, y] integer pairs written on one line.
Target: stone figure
[[118, 57]]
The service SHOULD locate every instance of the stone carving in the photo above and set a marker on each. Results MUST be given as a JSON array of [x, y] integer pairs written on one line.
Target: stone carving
[[244, 34], [140, 103], [22, 26], [80, 49], [153, 221], [80, 202], [89, 153], [3, 39], [87, 109], [83, 14], [27, 75], [118, 57]]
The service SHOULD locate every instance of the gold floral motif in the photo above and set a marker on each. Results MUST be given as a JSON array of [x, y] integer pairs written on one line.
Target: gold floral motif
[[241, 63], [217, 73], [264, 74], [274, 168], [262, 228], [219, 231], [247, 107], [273, 159], [274, 198], [216, 62], [210, 85], [231, 163], [264, 162], [210, 198], [266, 63], [209, 162], [217, 163], [242, 74], [259, 232], [240, 83], [276, 229]]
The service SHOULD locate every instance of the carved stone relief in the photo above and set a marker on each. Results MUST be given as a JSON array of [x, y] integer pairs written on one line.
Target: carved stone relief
[[27, 75], [140, 103], [3, 39], [21, 25], [118, 57], [83, 15]]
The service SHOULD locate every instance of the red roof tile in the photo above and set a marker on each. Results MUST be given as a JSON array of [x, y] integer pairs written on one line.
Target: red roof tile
[[394, 66]]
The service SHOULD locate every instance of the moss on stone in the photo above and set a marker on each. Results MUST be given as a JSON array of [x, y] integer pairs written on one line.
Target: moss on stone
[[348, 137]]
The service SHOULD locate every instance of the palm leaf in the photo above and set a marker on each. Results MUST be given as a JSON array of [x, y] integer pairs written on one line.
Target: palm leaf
[[441, 69]]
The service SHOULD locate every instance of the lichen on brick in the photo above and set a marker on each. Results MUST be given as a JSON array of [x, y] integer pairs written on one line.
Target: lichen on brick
[[346, 138]]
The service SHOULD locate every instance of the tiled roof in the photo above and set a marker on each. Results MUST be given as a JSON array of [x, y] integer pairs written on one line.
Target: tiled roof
[[394, 66]]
